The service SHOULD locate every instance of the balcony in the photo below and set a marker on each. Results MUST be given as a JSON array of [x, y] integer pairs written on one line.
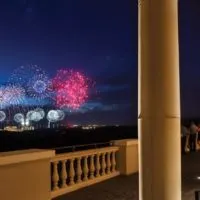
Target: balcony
[[102, 173]]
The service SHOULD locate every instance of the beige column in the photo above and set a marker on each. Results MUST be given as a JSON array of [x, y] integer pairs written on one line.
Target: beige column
[[159, 101]]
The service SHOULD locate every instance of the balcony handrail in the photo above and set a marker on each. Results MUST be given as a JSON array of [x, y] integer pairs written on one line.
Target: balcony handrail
[[83, 145], [74, 170], [73, 155]]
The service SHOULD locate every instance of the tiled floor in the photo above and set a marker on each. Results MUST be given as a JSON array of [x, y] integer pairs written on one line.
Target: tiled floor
[[126, 188]]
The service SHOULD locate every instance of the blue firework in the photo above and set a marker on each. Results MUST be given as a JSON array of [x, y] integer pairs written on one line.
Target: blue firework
[[23, 74], [39, 87], [35, 81]]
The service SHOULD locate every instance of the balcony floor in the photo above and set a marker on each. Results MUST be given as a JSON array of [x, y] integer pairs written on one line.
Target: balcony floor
[[126, 188]]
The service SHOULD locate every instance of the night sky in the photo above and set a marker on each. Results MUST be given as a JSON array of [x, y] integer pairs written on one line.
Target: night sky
[[100, 39]]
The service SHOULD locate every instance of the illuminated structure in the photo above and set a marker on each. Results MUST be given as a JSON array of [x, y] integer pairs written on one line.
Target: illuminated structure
[[12, 129], [159, 101]]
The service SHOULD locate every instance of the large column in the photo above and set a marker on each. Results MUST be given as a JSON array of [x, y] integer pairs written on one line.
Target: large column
[[159, 101]]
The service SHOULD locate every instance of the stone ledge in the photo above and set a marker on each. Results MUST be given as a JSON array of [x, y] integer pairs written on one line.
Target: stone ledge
[[126, 142], [13, 157]]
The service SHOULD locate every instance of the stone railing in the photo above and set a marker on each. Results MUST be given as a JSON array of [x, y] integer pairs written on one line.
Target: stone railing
[[72, 171], [31, 170], [24, 174]]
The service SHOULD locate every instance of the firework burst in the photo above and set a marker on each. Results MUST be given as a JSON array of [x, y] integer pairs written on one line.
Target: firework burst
[[55, 115], [34, 80], [23, 74], [35, 115], [19, 118], [72, 89], [2, 116], [39, 87], [11, 96]]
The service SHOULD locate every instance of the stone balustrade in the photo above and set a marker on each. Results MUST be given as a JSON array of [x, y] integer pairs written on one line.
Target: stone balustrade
[[24, 174], [72, 171], [31, 170]]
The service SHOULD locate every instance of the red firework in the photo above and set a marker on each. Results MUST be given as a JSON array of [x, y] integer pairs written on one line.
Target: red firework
[[72, 89]]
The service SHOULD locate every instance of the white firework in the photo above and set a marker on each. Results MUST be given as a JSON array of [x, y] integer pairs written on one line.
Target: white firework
[[41, 111], [11, 95], [61, 115], [19, 118], [36, 115], [2, 116], [29, 114], [55, 115]]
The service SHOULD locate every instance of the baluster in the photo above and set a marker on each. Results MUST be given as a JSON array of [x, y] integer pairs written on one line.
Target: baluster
[[64, 174], [108, 163], [92, 167], [103, 165], [79, 170], [85, 169], [71, 172], [98, 167], [55, 176], [113, 162]]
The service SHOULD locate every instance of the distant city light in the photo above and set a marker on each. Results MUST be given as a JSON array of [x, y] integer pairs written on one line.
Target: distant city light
[[27, 123]]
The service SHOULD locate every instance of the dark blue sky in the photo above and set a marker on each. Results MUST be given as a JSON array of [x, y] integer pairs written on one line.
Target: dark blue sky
[[99, 38]]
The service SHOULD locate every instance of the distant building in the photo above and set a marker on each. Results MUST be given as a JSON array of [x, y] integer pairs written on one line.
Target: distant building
[[12, 129]]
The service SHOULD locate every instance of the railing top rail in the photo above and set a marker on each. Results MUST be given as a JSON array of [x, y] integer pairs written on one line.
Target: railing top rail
[[83, 145], [78, 154]]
